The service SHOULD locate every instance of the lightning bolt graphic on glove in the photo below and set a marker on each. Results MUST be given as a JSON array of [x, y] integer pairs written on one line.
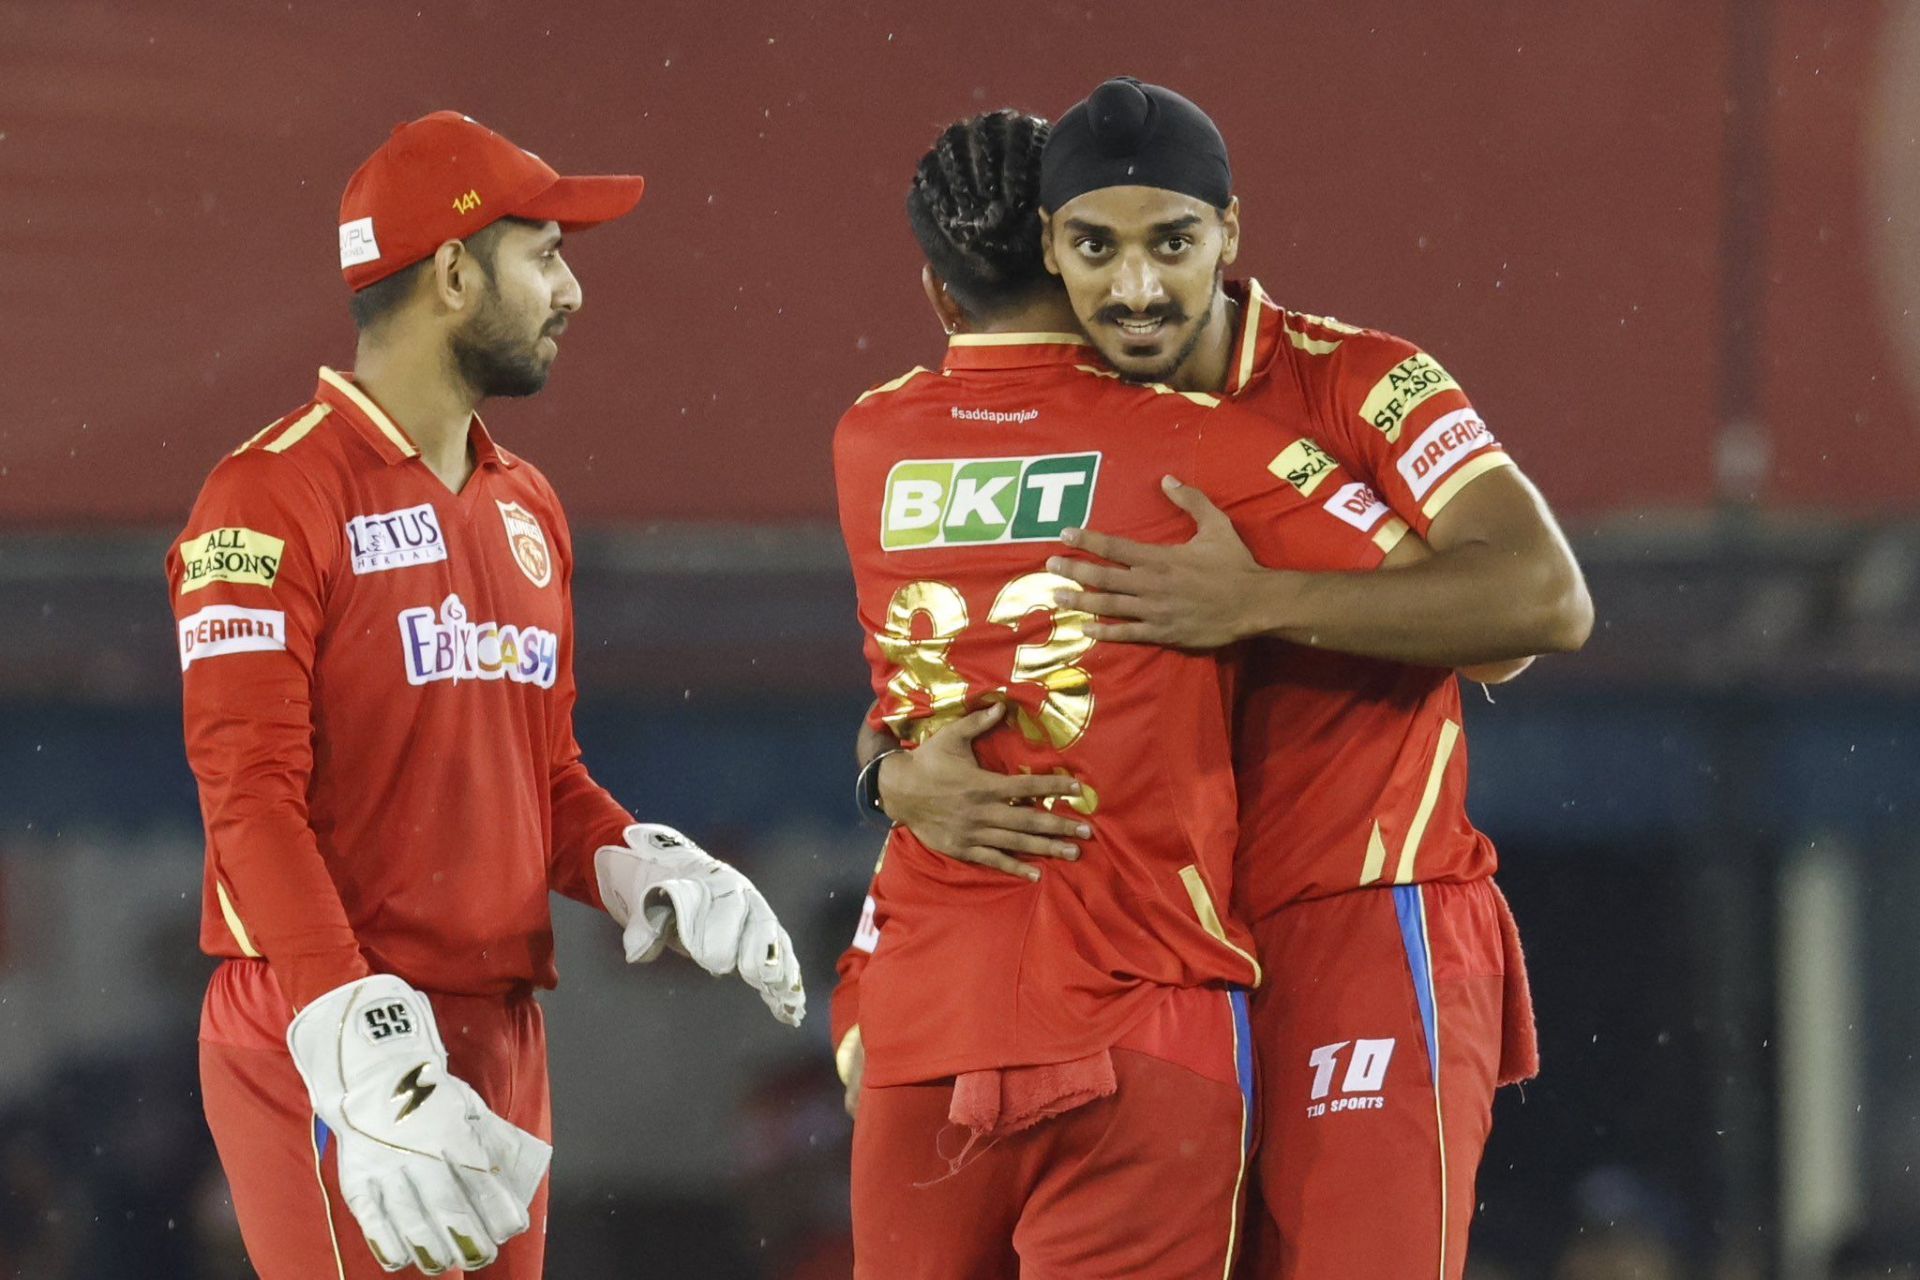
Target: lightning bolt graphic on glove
[[415, 1092]]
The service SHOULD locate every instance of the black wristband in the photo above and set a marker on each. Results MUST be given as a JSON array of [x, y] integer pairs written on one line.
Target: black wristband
[[866, 788]]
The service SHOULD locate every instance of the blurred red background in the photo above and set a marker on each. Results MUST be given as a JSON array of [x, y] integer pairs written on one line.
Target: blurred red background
[[1537, 193]]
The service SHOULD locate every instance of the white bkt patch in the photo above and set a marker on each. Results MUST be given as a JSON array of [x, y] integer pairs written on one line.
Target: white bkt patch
[[396, 539], [1366, 1076], [228, 628], [357, 244], [1358, 505], [528, 542], [1444, 445]]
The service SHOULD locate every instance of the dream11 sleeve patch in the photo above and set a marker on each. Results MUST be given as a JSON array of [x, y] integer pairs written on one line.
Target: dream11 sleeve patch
[[227, 628], [233, 554]]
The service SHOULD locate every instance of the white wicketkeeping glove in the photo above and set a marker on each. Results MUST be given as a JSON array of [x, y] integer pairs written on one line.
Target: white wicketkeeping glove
[[433, 1177], [664, 889]]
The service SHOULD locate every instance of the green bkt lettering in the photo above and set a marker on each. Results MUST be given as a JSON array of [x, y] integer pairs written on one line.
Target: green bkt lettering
[[1055, 494], [916, 499], [979, 501], [981, 506]]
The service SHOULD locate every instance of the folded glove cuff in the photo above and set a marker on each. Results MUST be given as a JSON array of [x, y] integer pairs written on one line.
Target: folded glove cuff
[[384, 1011]]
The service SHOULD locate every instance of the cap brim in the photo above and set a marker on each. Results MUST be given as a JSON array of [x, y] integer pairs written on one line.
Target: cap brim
[[579, 203]]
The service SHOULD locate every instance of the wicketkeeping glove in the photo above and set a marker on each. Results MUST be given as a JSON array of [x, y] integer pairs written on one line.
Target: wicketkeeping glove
[[433, 1177], [664, 889]]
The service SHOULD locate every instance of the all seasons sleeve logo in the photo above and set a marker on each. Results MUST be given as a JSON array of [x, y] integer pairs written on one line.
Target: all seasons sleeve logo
[[230, 555], [949, 502]]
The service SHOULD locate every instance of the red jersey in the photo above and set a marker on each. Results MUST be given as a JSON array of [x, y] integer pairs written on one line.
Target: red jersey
[[1353, 771], [953, 488], [378, 690]]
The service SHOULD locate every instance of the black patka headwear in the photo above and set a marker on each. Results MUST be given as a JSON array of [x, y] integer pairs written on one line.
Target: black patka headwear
[[1129, 134]]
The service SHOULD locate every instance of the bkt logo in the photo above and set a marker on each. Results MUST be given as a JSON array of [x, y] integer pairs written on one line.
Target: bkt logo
[[1366, 1076], [449, 647], [948, 502]]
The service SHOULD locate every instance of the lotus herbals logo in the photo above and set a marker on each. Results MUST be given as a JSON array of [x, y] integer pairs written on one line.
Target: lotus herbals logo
[[958, 502]]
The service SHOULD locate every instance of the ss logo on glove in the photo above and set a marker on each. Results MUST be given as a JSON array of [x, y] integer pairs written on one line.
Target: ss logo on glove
[[387, 1020]]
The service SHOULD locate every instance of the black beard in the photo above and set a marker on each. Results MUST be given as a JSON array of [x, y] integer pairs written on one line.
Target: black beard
[[1178, 361], [495, 362]]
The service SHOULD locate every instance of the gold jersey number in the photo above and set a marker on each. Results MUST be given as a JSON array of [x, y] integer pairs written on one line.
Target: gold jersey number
[[924, 679]]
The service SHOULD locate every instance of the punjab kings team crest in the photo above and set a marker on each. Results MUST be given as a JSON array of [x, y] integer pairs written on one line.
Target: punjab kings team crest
[[528, 542]]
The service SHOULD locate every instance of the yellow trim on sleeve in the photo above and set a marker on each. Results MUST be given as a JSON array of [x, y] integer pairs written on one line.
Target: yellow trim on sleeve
[[1469, 471], [1017, 340], [294, 434], [1388, 535], [895, 385], [1410, 848], [233, 922], [374, 413], [843, 1056], [1210, 918]]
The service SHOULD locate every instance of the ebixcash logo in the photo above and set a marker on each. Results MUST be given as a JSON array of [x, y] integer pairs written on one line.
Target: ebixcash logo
[[946, 502]]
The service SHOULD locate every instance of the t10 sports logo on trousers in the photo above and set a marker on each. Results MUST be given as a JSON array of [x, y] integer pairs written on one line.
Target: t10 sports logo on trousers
[[949, 502]]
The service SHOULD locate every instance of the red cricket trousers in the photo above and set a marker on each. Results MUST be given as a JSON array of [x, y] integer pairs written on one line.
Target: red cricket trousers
[[281, 1163], [1388, 1018], [1144, 1184]]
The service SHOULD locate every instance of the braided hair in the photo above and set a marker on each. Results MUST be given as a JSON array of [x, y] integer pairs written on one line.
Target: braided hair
[[975, 209]]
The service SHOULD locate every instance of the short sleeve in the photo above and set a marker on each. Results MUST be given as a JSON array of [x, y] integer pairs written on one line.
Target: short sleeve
[[1397, 419]]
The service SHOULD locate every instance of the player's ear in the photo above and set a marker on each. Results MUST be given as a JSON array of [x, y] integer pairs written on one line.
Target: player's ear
[[1046, 242], [952, 316], [1230, 231], [456, 276]]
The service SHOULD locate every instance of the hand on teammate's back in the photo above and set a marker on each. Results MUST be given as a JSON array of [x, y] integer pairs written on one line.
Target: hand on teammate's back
[[1193, 595], [939, 792]]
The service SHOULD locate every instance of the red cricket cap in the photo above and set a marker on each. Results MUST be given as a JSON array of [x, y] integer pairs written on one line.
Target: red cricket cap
[[445, 176]]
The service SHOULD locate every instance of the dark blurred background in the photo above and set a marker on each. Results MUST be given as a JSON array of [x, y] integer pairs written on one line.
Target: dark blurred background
[[1671, 249]]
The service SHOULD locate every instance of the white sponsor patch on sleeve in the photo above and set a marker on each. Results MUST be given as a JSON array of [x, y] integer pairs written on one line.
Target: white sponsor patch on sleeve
[[1358, 505], [867, 936], [228, 628], [1441, 447]]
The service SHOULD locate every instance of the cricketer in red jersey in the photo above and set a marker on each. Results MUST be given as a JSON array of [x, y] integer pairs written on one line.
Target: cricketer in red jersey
[[375, 628], [1361, 873], [1359, 870]]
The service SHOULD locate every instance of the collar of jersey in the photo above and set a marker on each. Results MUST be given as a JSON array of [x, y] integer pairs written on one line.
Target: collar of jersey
[[1258, 338], [1014, 350], [384, 434]]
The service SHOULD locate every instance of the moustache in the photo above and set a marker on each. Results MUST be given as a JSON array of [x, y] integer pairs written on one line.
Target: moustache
[[554, 327]]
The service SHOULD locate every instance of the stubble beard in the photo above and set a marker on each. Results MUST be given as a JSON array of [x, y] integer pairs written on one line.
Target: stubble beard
[[494, 360]]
